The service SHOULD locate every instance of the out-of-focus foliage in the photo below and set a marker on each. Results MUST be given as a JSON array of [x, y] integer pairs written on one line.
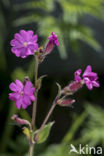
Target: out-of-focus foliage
[[92, 134], [64, 18], [89, 123], [2, 34]]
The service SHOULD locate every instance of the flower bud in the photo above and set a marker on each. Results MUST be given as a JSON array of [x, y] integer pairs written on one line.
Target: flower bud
[[20, 121], [66, 91], [41, 49], [49, 47], [74, 86], [41, 54], [53, 40], [65, 102], [26, 79]]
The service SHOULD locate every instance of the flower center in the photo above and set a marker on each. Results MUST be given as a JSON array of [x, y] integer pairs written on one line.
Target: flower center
[[22, 93], [25, 44]]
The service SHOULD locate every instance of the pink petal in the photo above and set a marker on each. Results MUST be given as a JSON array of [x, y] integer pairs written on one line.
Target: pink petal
[[32, 98], [23, 33], [14, 96], [24, 106], [95, 83], [19, 85], [26, 100], [30, 32], [15, 43], [89, 85], [19, 38], [28, 88], [13, 87], [77, 75], [15, 51], [23, 52], [87, 70], [19, 103], [29, 35], [34, 38], [29, 51]]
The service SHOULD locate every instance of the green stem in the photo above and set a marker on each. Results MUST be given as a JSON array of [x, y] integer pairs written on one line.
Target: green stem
[[36, 94], [34, 105], [31, 150]]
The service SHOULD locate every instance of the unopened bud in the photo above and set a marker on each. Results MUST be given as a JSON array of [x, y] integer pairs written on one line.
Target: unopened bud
[[20, 121], [74, 86], [26, 79], [41, 54], [49, 47], [66, 91], [65, 102], [41, 49], [53, 40]]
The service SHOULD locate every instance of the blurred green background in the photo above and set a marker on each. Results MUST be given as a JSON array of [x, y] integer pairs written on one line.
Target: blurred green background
[[79, 25]]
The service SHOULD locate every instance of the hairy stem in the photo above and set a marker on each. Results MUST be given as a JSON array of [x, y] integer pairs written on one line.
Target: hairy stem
[[35, 104]]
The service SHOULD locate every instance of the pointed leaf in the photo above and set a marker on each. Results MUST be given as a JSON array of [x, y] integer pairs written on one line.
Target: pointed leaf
[[44, 133], [40, 81]]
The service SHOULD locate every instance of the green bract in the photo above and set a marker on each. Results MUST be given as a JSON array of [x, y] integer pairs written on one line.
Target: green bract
[[44, 133]]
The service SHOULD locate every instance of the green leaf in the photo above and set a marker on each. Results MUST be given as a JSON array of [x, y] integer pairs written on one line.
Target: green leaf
[[44, 133]]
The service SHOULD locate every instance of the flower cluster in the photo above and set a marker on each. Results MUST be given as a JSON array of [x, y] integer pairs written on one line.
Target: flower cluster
[[23, 45]]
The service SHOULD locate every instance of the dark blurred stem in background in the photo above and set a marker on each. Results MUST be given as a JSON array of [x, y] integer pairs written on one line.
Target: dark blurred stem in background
[[8, 129], [5, 26]]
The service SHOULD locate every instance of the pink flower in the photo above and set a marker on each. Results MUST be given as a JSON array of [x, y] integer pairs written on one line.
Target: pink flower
[[24, 43], [89, 78], [77, 75], [23, 94], [53, 40]]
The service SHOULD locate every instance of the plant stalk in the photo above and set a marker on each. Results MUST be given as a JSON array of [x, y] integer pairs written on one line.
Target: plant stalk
[[34, 105], [31, 149], [46, 119]]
